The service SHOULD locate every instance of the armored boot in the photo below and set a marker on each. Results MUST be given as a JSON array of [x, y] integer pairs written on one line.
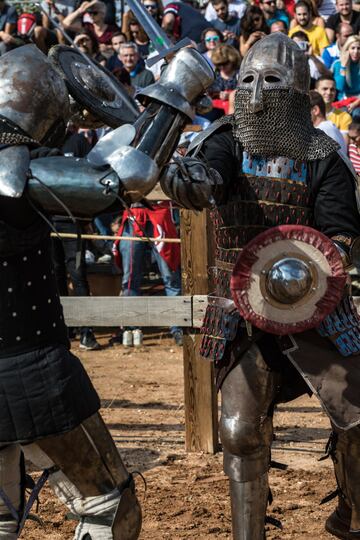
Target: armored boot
[[344, 522], [248, 508], [248, 392]]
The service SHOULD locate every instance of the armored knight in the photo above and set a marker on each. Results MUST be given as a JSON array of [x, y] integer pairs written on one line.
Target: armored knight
[[281, 322], [49, 408]]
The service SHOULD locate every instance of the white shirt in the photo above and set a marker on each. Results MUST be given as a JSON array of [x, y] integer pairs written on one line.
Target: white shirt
[[330, 129], [237, 7]]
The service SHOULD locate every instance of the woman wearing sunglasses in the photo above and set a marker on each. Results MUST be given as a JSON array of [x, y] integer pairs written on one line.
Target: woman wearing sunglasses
[[210, 39], [253, 28]]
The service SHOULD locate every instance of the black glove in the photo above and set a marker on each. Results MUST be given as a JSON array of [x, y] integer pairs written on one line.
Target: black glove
[[190, 183]]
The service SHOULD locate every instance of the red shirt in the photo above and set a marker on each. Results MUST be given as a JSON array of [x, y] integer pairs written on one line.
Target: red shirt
[[105, 38]]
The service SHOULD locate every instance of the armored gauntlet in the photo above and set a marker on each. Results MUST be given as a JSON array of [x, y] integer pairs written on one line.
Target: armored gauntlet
[[190, 183]]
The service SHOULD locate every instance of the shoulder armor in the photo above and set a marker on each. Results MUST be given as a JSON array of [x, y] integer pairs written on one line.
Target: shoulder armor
[[196, 144]]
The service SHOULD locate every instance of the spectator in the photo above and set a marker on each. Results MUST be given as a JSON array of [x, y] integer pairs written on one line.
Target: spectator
[[253, 28], [29, 30], [137, 35], [278, 26], [354, 146], [325, 8], [130, 57], [326, 88], [116, 40], [332, 52], [69, 257], [345, 14], [227, 62], [8, 20], [155, 222], [272, 14], [347, 70], [315, 15], [91, 16], [228, 25], [181, 20], [317, 35], [236, 8], [155, 8], [210, 39], [123, 76], [88, 44], [316, 66], [318, 118]]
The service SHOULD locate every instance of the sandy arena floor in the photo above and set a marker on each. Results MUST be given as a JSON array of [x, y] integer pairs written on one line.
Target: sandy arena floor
[[186, 497]]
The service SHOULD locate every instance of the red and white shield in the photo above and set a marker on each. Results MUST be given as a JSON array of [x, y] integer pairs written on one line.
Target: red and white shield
[[288, 279]]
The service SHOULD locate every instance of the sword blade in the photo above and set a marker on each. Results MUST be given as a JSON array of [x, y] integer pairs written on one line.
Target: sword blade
[[155, 33]]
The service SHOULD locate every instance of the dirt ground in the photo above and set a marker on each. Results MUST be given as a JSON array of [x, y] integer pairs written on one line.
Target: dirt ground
[[187, 494]]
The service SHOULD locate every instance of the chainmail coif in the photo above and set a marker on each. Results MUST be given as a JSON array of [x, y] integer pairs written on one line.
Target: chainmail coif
[[282, 128]]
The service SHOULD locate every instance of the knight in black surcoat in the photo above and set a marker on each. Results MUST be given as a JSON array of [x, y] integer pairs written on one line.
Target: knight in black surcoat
[[260, 169], [49, 407]]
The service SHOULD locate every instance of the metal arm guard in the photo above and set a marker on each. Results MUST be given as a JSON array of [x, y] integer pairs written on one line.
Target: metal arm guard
[[154, 136], [83, 189], [190, 183]]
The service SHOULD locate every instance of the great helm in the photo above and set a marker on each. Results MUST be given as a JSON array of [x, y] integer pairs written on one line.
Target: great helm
[[33, 96], [34, 109], [274, 62]]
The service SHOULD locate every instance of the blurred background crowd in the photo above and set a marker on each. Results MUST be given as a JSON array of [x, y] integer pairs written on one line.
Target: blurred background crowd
[[328, 32]]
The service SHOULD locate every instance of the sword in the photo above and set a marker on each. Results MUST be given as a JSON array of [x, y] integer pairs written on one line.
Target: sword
[[155, 33]]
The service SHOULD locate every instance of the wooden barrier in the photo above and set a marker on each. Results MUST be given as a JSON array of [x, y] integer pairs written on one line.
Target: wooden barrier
[[185, 311]]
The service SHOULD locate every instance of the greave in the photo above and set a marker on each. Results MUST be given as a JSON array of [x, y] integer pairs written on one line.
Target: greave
[[248, 508], [346, 459]]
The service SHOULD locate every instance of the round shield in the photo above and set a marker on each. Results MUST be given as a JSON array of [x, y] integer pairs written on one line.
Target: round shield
[[288, 279], [94, 87]]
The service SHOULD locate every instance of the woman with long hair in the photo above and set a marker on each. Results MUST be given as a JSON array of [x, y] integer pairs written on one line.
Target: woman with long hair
[[347, 69], [253, 27]]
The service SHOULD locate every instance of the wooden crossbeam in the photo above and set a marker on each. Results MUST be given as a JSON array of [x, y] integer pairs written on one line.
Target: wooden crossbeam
[[128, 311]]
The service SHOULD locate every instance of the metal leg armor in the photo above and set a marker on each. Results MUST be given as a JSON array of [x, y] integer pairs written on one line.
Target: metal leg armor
[[87, 475], [344, 522], [246, 434]]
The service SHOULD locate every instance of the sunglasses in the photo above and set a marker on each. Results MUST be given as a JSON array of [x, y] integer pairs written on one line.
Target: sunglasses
[[269, 2], [214, 38], [93, 12], [257, 19], [150, 6]]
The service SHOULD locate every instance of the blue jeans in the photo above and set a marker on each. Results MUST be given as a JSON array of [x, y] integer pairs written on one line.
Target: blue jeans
[[133, 255]]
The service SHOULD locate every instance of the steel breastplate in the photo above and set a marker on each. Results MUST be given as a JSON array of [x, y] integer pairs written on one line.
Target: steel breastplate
[[267, 193]]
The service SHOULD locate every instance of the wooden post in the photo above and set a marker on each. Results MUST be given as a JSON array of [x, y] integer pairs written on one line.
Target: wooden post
[[201, 407]]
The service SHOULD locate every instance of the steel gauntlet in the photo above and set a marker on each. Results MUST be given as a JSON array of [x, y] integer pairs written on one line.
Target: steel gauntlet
[[190, 183]]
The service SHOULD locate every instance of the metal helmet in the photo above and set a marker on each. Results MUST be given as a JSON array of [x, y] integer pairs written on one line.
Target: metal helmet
[[33, 96], [274, 62], [272, 113]]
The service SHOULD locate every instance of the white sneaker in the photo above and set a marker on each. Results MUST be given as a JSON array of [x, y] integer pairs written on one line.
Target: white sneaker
[[127, 338]]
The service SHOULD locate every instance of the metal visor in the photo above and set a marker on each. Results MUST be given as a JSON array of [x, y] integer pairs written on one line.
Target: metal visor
[[94, 87], [288, 279]]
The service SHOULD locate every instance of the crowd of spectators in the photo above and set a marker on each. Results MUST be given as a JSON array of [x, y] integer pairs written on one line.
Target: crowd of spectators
[[327, 31]]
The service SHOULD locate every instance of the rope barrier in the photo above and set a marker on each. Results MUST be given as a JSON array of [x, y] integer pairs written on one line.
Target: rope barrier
[[108, 237]]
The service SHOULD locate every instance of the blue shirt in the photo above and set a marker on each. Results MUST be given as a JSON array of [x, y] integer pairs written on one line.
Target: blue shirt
[[279, 15], [342, 86], [330, 54]]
